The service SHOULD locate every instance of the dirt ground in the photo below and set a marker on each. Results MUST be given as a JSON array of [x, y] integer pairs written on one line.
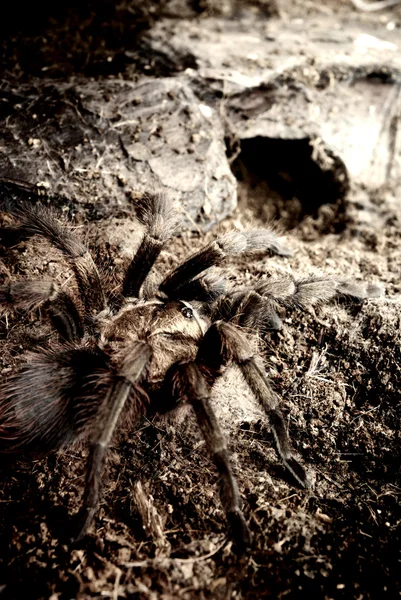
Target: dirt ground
[[337, 370]]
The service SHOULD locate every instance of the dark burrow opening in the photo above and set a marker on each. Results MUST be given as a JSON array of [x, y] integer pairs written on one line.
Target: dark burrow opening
[[290, 180]]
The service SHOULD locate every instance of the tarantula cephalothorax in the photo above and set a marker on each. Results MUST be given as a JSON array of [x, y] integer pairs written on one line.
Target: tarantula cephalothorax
[[145, 351]]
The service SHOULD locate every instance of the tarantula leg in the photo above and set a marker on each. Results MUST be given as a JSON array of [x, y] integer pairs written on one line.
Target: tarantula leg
[[206, 288], [223, 344], [315, 290], [258, 308], [187, 382], [28, 295], [38, 220], [161, 220], [216, 252], [259, 384], [248, 309], [65, 317], [130, 373]]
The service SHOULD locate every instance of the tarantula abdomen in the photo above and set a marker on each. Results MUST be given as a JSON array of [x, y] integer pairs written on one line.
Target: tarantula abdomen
[[52, 400]]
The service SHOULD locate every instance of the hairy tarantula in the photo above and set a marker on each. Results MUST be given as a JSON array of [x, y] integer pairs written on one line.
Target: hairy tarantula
[[146, 352]]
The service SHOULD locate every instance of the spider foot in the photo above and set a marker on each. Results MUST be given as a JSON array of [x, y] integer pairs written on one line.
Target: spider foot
[[239, 531], [84, 519], [297, 470]]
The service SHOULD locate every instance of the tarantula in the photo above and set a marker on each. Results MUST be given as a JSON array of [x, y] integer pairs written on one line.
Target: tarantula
[[146, 351]]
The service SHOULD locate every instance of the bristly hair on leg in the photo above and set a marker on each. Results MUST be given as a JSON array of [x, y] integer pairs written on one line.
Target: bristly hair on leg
[[224, 343], [187, 383], [26, 295], [40, 220], [215, 253], [258, 382], [266, 239], [311, 291], [29, 295], [248, 309], [207, 287], [236, 242], [161, 217], [131, 371]]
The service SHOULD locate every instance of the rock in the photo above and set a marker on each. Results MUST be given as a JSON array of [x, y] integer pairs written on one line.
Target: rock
[[315, 102], [99, 143]]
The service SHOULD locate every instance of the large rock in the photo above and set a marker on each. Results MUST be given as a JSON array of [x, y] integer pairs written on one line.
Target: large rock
[[337, 87], [100, 143]]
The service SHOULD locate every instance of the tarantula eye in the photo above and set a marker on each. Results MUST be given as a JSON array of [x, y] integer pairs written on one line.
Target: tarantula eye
[[187, 312]]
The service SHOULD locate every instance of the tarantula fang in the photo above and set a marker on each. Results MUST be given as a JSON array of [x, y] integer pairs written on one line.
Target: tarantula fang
[[146, 351]]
